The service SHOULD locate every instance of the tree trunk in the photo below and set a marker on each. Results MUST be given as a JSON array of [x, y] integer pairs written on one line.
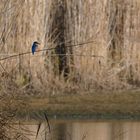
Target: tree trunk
[[57, 34], [116, 31]]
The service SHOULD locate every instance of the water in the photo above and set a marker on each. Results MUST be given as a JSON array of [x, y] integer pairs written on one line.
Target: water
[[86, 130]]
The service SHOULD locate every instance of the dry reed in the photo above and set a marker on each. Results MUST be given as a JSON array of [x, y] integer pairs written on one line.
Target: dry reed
[[112, 25]]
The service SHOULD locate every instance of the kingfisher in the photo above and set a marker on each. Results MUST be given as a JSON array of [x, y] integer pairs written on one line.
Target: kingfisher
[[35, 46]]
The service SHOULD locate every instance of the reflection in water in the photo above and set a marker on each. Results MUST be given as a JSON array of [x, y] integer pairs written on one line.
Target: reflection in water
[[88, 131]]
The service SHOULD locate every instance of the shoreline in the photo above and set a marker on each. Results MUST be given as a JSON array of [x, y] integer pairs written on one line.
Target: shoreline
[[118, 106]]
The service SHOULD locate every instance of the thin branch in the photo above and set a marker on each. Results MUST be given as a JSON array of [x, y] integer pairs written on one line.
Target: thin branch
[[47, 49]]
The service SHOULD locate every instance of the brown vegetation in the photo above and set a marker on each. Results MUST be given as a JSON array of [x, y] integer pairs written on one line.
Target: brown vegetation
[[110, 62]]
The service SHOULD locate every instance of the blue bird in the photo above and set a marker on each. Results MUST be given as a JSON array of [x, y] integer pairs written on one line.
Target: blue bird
[[34, 46]]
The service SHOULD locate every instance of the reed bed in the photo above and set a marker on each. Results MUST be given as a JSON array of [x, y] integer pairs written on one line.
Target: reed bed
[[110, 62]]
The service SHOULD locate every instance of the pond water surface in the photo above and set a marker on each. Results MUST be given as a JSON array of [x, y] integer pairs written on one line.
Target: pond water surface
[[85, 130]]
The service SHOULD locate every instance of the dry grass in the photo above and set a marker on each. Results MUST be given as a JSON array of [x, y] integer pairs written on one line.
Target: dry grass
[[112, 25], [9, 128]]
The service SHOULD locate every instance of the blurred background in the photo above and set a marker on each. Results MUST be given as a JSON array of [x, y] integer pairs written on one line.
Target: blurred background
[[108, 58]]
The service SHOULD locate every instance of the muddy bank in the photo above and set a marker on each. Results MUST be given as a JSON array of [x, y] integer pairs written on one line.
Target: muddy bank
[[123, 105]]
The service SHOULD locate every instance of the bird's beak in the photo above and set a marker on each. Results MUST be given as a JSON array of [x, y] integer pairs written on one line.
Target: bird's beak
[[38, 43]]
